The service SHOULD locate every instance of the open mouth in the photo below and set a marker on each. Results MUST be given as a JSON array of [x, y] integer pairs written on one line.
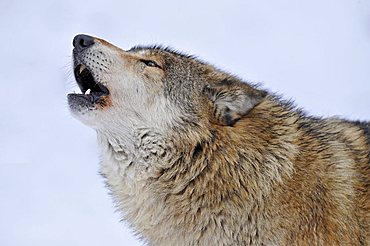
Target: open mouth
[[92, 90]]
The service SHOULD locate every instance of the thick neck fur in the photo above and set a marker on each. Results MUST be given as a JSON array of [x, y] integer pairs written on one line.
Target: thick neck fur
[[166, 182]]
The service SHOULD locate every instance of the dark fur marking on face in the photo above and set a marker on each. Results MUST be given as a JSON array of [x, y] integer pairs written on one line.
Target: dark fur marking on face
[[161, 48], [225, 82]]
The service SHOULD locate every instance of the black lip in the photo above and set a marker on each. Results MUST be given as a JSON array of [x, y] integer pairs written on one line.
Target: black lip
[[85, 80]]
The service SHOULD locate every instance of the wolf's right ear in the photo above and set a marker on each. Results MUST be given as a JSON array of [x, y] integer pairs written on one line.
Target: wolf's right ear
[[231, 100]]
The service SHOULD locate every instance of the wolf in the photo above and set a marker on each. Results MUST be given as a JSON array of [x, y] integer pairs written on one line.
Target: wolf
[[193, 155]]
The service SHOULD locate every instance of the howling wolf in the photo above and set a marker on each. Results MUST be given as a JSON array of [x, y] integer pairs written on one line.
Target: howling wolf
[[195, 156]]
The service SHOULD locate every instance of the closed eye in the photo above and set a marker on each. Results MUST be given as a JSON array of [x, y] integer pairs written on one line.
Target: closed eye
[[150, 63]]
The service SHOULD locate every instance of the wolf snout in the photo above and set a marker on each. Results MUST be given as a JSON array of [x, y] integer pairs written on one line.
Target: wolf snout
[[82, 41]]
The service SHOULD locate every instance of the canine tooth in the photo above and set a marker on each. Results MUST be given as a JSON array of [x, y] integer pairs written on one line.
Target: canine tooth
[[87, 92], [82, 67]]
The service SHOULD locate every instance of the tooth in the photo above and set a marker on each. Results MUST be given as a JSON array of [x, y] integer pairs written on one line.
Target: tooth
[[82, 67], [87, 92]]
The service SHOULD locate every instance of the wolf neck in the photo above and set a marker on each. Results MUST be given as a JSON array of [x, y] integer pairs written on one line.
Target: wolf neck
[[146, 152], [153, 176], [132, 151]]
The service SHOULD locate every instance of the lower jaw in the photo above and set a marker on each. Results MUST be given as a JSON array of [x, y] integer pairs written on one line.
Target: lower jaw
[[90, 101]]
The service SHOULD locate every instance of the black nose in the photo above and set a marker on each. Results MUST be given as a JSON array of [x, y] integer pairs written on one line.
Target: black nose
[[81, 42]]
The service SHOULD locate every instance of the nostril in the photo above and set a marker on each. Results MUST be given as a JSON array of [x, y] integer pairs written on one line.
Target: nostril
[[81, 42]]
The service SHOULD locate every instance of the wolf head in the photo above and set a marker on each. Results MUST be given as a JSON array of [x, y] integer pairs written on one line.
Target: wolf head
[[153, 87]]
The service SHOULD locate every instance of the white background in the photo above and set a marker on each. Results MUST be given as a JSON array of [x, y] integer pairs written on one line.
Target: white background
[[315, 52]]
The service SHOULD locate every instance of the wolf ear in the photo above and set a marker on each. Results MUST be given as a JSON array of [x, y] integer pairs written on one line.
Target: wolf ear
[[231, 100]]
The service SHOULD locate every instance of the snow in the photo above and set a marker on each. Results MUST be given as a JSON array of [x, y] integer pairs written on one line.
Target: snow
[[316, 52]]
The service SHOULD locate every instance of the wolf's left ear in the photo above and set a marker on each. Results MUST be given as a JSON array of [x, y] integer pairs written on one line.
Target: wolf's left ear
[[231, 100]]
